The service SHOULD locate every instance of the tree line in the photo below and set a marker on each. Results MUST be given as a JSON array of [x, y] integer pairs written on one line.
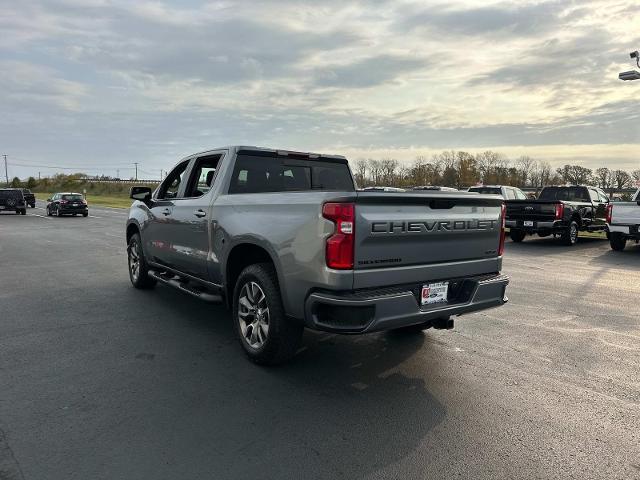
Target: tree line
[[461, 169]]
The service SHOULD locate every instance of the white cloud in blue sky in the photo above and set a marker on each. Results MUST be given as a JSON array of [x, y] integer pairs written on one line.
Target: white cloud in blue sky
[[101, 84]]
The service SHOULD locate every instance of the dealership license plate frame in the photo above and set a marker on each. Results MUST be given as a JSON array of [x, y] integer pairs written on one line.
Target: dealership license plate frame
[[434, 293]]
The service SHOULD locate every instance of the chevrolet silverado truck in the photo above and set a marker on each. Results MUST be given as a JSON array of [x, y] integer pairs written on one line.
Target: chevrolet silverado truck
[[623, 220], [559, 211], [287, 241]]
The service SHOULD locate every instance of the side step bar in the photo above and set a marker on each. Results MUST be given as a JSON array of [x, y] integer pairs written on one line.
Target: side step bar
[[177, 282]]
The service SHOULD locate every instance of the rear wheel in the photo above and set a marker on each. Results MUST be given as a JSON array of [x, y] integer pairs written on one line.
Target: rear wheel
[[266, 335], [517, 235], [617, 241], [138, 269], [86, 214], [570, 235], [23, 211]]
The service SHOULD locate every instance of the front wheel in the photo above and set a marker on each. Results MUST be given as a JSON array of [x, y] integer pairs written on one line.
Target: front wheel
[[86, 214], [23, 211], [138, 269], [517, 235], [570, 235], [617, 241], [48, 212], [58, 213], [266, 335]]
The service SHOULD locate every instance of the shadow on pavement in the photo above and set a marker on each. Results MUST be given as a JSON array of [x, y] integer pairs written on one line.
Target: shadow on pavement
[[341, 408]]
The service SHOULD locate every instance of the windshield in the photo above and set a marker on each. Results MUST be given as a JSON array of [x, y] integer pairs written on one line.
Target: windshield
[[570, 194]]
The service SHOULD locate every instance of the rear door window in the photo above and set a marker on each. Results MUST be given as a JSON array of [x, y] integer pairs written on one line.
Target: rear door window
[[486, 190], [261, 174]]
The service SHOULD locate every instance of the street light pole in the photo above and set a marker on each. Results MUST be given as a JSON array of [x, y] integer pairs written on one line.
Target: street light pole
[[6, 172]]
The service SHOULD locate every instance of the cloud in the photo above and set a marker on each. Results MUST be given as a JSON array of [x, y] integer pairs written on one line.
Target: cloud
[[109, 80]]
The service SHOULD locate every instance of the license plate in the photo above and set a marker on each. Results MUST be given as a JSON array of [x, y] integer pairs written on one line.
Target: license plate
[[76, 204], [528, 223], [434, 293]]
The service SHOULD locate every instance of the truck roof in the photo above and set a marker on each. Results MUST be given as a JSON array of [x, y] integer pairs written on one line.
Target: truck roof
[[275, 151]]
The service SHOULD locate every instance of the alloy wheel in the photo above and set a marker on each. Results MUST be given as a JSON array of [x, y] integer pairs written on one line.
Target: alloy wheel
[[134, 261], [253, 315]]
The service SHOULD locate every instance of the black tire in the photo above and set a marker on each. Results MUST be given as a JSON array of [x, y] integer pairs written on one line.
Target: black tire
[[570, 234], [517, 235], [283, 336], [617, 241], [85, 214], [139, 276], [23, 211], [48, 212], [58, 213]]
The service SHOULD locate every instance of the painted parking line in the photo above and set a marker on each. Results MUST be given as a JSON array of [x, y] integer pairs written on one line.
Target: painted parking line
[[41, 216]]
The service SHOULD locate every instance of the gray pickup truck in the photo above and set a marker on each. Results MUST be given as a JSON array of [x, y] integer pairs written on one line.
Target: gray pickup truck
[[286, 240]]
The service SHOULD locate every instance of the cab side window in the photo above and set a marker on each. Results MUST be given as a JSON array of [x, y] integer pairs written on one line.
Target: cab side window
[[202, 176], [594, 196], [520, 195], [509, 194], [171, 185], [603, 196]]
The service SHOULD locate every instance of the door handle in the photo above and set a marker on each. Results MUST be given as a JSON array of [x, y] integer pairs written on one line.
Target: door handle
[[200, 213], [166, 211]]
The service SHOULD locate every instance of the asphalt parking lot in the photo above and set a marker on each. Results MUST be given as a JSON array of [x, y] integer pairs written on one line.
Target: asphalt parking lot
[[101, 381]]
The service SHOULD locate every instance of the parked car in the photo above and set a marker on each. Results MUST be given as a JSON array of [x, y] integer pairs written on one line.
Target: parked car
[[286, 240], [435, 188], [623, 220], [12, 200], [67, 204], [560, 211], [29, 197], [508, 193]]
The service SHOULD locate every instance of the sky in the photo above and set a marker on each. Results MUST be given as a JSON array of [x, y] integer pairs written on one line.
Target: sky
[[96, 85]]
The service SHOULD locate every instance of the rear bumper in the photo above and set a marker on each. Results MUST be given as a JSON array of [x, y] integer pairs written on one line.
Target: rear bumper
[[395, 307], [519, 224], [65, 211], [629, 231]]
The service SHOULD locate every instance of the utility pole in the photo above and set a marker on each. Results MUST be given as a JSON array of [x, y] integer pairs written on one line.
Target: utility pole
[[136, 164], [160, 174], [38, 176], [6, 172], [118, 173]]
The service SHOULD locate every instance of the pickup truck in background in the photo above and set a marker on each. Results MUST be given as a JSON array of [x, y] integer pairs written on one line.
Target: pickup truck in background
[[286, 240], [559, 211], [29, 197], [623, 220], [507, 192]]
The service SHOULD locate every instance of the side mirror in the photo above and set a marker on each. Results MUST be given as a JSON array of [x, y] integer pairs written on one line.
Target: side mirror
[[140, 193], [48, 199]]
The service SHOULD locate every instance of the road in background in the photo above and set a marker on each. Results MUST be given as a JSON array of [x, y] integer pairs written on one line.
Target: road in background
[[101, 381]]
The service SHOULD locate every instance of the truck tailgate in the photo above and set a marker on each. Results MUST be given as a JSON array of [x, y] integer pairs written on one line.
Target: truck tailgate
[[408, 237], [537, 210], [627, 213]]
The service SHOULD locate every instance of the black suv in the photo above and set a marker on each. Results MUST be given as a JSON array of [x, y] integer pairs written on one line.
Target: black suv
[[67, 204], [12, 200]]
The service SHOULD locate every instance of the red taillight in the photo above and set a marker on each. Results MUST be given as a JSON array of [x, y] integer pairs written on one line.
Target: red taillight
[[559, 211], [340, 245], [503, 217], [609, 213]]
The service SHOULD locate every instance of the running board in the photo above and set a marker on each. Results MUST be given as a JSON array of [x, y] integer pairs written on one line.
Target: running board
[[176, 282]]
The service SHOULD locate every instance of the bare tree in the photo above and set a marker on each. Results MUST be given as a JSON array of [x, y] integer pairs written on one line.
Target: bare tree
[[620, 179], [603, 177], [360, 173], [525, 165]]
